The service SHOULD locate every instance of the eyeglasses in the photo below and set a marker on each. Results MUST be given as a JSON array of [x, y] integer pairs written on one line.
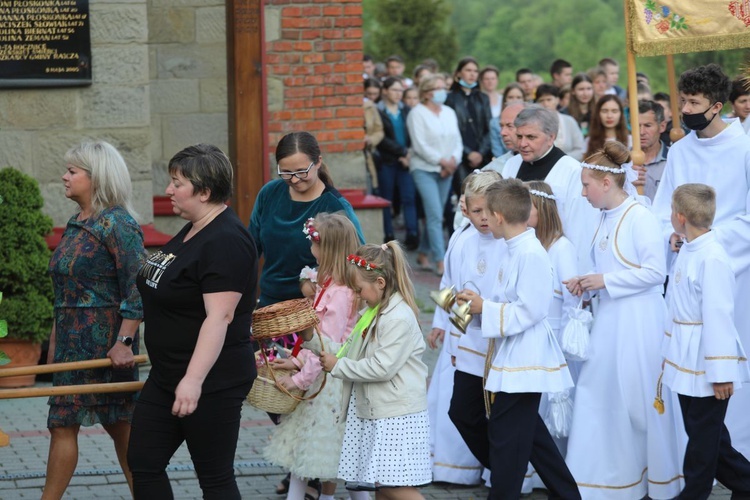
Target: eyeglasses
[[299, 174]]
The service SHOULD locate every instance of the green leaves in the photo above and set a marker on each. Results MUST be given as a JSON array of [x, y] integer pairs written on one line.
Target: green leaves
[[413, 29], [26, 307]]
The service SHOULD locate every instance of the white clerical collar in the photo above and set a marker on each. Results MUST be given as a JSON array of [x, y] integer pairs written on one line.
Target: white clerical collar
[[545, 154]]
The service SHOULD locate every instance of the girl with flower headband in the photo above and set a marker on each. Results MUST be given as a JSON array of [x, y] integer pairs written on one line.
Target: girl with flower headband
[[312, 451], [619, 446], [545, 219], [386, 442]]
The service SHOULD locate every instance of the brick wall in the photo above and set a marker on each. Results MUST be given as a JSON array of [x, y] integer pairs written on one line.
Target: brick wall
[[314, 79]]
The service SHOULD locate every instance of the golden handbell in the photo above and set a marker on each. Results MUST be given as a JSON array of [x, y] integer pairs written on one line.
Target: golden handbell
[[461, 317], [658, 401], [444, 298]]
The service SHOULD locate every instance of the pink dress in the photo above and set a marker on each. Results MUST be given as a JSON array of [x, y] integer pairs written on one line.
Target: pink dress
[[308, 441]]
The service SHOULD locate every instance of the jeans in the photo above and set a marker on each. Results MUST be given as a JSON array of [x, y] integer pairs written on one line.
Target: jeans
[[433, 190], [211, 433], [390, 175]]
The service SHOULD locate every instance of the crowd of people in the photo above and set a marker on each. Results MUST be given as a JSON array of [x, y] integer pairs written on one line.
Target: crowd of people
[[548, 224]]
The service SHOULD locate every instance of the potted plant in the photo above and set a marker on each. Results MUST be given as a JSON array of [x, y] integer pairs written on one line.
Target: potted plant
[[24, 257]]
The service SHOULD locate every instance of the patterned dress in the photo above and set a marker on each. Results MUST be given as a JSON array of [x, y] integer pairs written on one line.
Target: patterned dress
[[93, 271]]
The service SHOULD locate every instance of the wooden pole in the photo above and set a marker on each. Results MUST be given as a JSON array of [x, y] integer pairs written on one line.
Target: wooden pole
[[674, 102], [66, 390], [64, 367], [636, 154], [245, 91]]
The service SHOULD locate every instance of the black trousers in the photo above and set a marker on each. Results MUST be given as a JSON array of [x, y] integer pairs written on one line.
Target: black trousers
[[709, 451], [468, 414], [211, 434], [517, 436]]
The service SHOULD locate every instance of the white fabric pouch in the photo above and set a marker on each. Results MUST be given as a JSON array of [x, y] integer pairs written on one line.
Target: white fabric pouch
[[575, 337], [559, 414]]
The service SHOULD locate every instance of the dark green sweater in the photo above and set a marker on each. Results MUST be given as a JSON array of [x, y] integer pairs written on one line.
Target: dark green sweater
[[276, 225]]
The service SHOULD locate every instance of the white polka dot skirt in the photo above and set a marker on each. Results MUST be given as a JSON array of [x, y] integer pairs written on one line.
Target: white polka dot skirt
[[391, 451]]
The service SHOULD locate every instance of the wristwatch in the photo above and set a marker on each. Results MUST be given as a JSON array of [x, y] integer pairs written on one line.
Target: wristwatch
[[128, 341]]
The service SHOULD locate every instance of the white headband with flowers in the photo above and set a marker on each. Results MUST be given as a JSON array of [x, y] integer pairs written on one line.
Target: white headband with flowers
[[626, 168], [542, 194]]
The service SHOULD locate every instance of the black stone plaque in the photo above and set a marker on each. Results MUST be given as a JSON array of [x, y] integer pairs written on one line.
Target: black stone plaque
[[44, 43]]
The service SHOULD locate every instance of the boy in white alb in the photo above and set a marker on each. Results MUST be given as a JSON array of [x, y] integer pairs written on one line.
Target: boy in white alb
[[716, 154], [452, 462], [479, 271], [704, 362], [524, 358]]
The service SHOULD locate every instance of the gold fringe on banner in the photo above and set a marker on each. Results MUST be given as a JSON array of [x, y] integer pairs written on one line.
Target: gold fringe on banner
[[660, 27]]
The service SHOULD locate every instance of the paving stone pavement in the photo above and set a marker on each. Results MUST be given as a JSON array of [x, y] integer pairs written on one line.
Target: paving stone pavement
[[98, 476]]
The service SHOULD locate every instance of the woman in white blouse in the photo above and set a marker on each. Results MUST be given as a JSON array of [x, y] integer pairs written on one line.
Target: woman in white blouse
[[436, 149]]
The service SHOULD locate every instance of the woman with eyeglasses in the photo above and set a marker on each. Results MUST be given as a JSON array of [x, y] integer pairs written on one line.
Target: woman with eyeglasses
[[304, 190]]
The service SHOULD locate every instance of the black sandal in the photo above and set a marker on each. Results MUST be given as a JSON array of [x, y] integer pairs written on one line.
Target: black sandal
[[314, 486], [283, 487]]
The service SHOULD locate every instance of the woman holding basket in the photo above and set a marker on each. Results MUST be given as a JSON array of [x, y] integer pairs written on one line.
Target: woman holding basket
[[198, 297]]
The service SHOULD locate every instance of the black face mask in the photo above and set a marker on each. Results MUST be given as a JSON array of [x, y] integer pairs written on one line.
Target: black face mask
[[697, 121]]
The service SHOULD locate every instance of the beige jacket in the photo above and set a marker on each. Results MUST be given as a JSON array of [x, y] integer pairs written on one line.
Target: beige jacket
[[386, 368]]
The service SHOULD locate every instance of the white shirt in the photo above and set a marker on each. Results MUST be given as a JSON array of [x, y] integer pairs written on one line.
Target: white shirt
[[701, 345], [433, 137]]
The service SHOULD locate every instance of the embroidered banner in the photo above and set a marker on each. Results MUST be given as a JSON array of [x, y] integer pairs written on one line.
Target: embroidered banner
[[659, 27]]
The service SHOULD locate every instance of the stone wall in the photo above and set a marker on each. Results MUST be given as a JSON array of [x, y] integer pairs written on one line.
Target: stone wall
[[37, 126], [188, 74]]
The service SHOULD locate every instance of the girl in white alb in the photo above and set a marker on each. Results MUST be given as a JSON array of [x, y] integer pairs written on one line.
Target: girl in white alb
[[545, 220], [619, 446]]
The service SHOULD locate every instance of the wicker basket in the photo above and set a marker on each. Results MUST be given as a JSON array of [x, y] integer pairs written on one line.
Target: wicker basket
[[283, 318], [265, 395]]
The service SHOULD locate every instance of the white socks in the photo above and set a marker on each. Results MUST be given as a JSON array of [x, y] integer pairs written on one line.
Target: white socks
[[297, 488]]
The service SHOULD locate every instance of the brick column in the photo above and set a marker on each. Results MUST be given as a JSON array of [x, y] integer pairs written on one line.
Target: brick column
[[314, 79]]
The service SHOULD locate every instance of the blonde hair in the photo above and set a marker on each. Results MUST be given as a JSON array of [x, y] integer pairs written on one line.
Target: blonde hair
[[110, 179], [392, 266], [548, 226], [427, 84], [613, 155], [476, 183], [511, 199], [338, 238], [697, 203]]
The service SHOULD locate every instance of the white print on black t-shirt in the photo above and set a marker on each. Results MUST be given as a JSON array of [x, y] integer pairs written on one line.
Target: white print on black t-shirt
[[155, 267]]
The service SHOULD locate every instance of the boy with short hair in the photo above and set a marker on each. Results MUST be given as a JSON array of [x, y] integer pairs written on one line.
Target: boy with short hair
[[523, 358], [703, 358]]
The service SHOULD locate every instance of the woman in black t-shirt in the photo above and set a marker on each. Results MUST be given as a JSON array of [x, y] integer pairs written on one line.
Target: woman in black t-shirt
[[198, 296]]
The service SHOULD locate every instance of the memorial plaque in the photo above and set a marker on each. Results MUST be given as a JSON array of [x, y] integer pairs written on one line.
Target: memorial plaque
[[44, 43]]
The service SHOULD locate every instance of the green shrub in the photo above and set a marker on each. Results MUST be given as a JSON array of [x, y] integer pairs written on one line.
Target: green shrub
[[24, 257]]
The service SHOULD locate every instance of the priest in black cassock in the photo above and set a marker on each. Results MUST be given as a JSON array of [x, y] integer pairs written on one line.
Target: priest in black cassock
[[539, 159]]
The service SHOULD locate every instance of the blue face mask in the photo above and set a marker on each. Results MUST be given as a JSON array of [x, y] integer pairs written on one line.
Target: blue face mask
[[467, 85], [439, 96]]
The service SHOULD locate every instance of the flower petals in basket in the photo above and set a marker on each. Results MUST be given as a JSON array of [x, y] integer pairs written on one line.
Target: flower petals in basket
[[283, 318]]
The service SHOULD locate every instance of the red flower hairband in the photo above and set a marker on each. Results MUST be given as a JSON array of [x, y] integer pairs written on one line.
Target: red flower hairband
[[310, 231], [361, 262]]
